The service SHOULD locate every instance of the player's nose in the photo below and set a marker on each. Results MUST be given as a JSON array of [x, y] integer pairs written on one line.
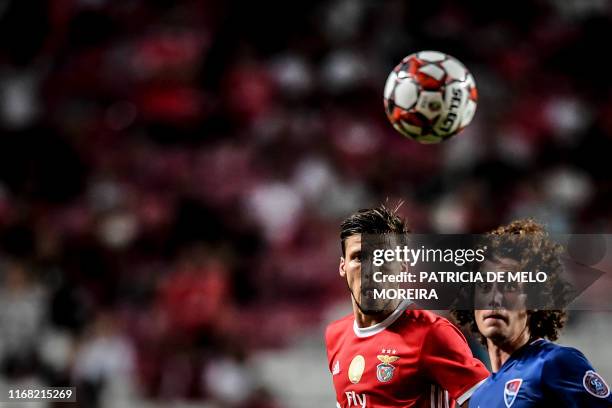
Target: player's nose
[[496, 298]]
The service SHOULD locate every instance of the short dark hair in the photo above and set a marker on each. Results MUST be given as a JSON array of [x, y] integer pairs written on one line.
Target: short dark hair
[[530, 246], [379, 220]]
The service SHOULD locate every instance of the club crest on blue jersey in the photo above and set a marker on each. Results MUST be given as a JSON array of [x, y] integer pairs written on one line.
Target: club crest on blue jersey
[[384, 371], [511, 390], [595, 385]]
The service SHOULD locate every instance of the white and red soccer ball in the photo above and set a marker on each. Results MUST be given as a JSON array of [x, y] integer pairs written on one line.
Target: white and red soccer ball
[[430, 97]]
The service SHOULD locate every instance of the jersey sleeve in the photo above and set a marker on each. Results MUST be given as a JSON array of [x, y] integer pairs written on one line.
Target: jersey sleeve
[[569, 377], [332, 333], [447, 360], [328, 340]]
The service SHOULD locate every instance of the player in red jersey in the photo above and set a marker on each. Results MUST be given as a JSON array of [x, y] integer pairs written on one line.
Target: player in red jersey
[[402, 358]]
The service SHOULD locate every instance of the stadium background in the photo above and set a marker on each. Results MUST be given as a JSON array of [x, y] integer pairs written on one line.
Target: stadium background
[[172, 177]]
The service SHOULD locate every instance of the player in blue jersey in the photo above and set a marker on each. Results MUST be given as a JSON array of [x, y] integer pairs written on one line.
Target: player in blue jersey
[[528, 369]]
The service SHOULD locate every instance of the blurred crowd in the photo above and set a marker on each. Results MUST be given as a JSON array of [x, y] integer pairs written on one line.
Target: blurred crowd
[[173, 174]]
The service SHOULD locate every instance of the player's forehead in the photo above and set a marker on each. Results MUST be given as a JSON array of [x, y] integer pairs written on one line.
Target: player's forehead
[[353, 243]]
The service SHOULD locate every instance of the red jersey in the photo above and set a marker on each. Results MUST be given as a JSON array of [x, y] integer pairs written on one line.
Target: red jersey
[[414, 358]]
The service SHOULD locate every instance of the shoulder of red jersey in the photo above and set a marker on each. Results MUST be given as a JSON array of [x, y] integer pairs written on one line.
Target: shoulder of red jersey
[[422, 315], [421, 318], [339, 326], [423, 324]]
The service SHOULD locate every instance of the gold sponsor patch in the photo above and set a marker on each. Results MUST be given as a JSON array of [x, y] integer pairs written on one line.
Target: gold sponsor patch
[[356, 369]]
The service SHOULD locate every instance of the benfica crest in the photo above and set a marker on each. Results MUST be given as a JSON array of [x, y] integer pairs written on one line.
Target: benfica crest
[[384, 371], [511, 390]]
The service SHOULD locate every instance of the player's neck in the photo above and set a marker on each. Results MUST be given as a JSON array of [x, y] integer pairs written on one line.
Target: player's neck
[[500, 351]]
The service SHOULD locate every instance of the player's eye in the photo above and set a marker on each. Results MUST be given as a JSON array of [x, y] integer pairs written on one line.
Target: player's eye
[[484, 287], [511, 287]]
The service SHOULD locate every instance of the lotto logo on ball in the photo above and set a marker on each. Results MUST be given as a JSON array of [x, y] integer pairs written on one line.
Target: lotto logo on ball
[[430, 97]]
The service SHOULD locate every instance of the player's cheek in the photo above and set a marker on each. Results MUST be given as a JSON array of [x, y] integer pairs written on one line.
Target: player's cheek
[[357, 270], [355, 273], [478, 317], [481, 300]]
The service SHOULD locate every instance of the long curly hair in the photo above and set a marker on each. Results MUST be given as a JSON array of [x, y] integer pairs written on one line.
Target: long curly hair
[[527, 242]]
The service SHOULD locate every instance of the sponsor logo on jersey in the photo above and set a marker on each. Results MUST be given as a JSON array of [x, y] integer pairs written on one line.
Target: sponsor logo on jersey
[[595, 384], [336, 369], [511, 390], [356, 368], [384, 371], [356, 400]]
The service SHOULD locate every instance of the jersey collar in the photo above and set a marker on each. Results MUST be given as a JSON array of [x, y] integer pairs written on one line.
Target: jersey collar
[[518, 353], [379, 327]]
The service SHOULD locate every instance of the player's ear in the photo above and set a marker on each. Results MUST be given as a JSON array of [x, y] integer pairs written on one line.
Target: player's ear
[[404, 266], [341, 270]]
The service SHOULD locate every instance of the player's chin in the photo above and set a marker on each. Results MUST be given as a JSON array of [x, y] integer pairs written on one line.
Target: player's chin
[[491, 326], [494, 333], [383, 307]]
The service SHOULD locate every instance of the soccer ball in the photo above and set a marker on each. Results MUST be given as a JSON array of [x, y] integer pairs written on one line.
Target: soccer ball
[[430, 97]]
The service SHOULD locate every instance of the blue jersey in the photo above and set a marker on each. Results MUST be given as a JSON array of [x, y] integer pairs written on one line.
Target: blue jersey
[[543, 374]]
